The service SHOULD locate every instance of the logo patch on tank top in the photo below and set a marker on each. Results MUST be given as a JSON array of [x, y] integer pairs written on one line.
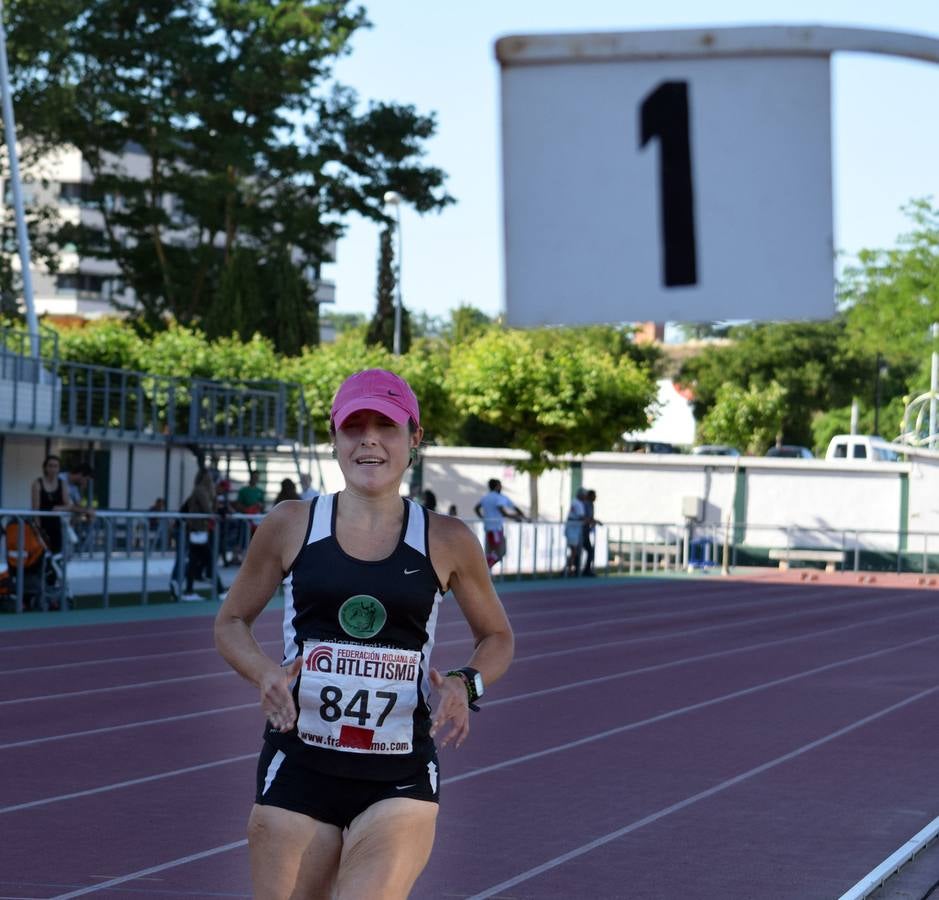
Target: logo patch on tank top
[[362, 616]]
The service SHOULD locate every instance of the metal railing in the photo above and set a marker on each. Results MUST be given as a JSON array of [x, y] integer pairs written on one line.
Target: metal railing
[[143, 554], [47, 394], [139, 554]]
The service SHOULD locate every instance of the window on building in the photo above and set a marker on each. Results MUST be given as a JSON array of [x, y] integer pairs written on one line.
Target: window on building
[[79, 281]]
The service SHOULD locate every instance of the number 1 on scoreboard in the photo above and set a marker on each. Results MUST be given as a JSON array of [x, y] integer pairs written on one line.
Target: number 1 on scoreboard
[[664, 115]]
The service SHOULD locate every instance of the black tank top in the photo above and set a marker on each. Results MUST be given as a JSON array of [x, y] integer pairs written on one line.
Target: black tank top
[[50, 499], [365, 630]]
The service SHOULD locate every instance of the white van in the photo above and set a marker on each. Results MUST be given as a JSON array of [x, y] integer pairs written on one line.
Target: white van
[[861, 446]]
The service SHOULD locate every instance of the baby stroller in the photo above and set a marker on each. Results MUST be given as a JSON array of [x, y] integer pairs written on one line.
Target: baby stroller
[[41, 572]]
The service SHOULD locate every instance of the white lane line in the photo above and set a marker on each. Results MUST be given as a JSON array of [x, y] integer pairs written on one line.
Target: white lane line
[[117, 687], [630, 726], [909, 595], [162, 867], [693, 707], [580, 648], [704, 629], [117, 785], [122, 638], [579, 851], [877, 876], [688, 660], [783, 680], [111, 728], [556, 861]]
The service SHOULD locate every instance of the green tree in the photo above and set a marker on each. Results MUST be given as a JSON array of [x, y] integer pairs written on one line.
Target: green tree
[[890, 300], [241, 138], [814, 362], [293, 319], [381, 329], [236, 307], [467, 322], [749, 418], [553, 396]]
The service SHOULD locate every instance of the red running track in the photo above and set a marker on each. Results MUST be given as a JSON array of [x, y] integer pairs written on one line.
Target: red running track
[[653, 739]]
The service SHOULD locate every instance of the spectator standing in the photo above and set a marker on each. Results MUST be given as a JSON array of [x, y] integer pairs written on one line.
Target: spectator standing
[[493, 508], [574, 533], [452, 510], [250, 498], [307, 491], [250, 501], [429, 500], [49, 494], [590, 524], [288, 491], [59, 491], [199, 531]]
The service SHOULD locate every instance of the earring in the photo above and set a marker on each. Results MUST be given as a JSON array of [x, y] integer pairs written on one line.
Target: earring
[[332, 451], [413, 454]]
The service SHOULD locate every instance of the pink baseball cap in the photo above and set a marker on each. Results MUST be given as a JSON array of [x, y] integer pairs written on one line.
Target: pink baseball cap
[[378, 390]]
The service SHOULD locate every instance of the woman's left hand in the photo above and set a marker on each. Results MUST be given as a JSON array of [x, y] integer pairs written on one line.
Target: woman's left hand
[[452, 706]]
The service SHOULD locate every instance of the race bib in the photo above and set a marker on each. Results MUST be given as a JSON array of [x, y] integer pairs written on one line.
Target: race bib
[[357, 698]]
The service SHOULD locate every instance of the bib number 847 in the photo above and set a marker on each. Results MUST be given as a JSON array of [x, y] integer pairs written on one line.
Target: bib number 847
[[357, 707]]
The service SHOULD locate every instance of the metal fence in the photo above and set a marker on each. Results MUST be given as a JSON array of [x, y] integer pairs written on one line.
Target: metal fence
[[141, 555], [45, 393]]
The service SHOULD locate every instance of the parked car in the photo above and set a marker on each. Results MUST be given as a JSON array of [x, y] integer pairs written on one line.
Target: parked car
[[861, 446], [791, 451], [650, 447], [715, 450]]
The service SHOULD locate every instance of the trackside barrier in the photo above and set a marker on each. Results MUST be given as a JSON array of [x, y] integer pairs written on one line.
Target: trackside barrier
[[876, 878], [148, 550], [149, 540]]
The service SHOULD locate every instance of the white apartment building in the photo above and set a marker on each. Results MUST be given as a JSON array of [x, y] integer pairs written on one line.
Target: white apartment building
[[84, 286]]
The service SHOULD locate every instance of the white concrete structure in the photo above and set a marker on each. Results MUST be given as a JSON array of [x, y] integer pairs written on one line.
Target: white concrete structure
[[758, 502], [84, 286], [673, 422]]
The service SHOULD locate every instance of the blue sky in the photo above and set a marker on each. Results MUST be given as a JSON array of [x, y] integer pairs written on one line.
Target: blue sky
[[438, 56]]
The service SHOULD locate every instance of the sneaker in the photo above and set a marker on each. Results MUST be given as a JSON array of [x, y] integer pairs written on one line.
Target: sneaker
[[192, 598]]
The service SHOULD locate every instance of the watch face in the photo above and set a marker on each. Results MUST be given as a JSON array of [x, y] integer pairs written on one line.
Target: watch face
[[478, 684]]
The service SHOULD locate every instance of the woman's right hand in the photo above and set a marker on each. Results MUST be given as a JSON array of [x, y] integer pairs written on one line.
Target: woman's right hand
[[276, 697]]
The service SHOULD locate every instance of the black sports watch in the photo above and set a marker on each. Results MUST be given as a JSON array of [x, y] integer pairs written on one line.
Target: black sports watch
[[473, 682]]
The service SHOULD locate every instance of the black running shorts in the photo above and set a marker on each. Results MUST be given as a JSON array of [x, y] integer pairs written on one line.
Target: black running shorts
[[284, 783]]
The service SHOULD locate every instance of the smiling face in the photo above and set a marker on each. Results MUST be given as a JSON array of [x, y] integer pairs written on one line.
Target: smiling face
[[373, 451]]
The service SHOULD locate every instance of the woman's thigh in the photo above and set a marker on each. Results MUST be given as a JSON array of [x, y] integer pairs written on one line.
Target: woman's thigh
[[386, 849], [292, 855]]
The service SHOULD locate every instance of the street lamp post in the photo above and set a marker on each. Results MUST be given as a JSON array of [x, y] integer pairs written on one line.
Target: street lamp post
[[22, 238], [393, 198]]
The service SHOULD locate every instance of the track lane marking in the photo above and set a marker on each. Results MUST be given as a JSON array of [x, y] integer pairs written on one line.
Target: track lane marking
[[556, 861], [620, 729], [577, 851], [182, 716], [131, 782], [521, 659], [563, 629], [162, 867]]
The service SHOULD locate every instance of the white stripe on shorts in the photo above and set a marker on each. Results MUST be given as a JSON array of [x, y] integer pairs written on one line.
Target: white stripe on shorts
[[279, 757]]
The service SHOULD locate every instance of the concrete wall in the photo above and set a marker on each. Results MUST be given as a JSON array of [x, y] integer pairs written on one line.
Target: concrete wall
[[768, 501]]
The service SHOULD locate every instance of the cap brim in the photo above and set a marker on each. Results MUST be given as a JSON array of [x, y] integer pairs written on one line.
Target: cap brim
[[376, 404]]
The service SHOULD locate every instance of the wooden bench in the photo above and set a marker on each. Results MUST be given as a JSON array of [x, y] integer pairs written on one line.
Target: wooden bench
[[829, 557]]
